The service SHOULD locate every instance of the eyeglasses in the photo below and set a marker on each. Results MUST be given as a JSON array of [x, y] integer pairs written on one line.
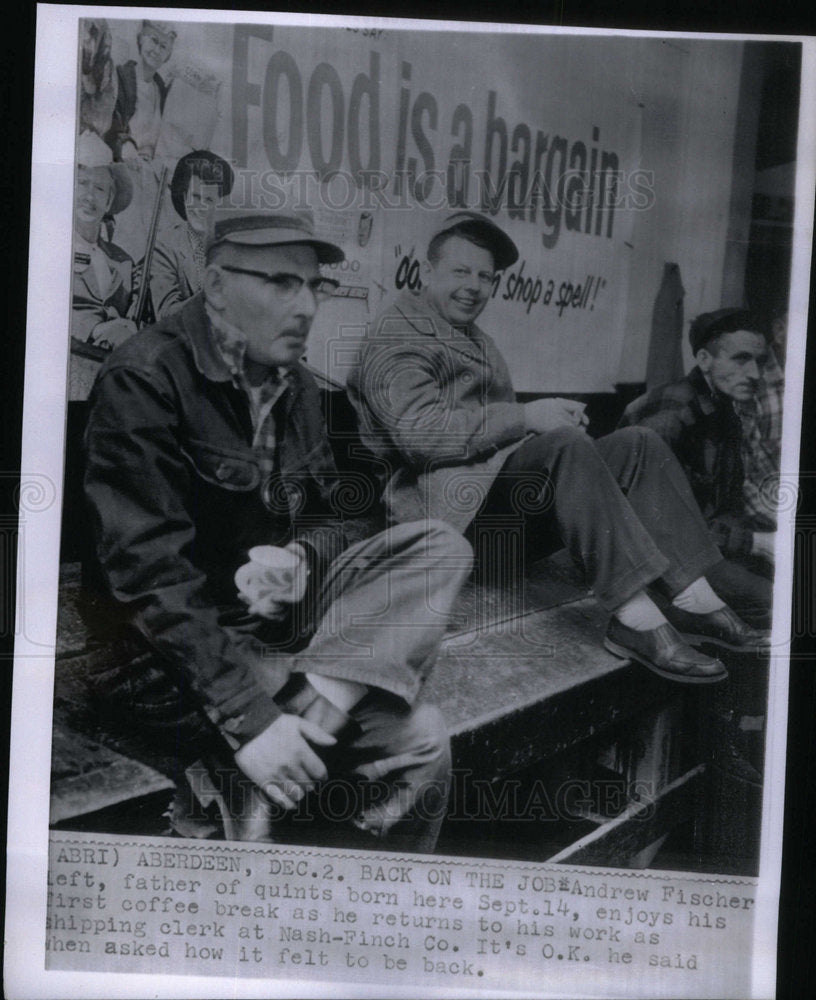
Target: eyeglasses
[[289, 285]]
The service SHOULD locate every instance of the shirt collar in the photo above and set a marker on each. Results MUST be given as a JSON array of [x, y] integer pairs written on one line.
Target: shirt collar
[[711, 399], [230, 342]]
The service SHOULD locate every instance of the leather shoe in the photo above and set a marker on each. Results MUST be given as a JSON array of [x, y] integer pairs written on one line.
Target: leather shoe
[[663, 651], [723, 628]]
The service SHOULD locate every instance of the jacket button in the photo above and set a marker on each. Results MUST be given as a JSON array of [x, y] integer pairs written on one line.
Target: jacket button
[[222, 472]]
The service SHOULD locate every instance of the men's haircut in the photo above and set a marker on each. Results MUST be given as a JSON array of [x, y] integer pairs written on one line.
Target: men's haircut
[[463, 231], [201, 163], [749, 321], [708, 329]]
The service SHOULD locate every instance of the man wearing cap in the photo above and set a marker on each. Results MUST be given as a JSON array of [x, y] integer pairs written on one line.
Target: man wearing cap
[[437, 409], [705, 418], [206, 440]]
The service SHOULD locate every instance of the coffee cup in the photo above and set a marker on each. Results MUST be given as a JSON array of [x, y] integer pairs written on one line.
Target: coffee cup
[[272, 577]]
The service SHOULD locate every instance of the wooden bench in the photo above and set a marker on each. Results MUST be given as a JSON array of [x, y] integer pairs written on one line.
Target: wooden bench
[[530, 696], [526, 688]]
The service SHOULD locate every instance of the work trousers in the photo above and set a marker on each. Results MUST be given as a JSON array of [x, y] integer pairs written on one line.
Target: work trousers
[[382, 609], [620, 504], [746, 585]]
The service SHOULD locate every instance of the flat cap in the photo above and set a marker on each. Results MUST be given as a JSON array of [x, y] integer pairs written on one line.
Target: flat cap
[[269, 228], [463, 223], [709, 325]]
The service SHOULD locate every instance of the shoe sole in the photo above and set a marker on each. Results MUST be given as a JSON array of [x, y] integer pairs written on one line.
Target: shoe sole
[[669, 675], [694, 638]]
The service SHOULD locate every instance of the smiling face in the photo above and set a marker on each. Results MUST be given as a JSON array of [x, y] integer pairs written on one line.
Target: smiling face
[[201, 198], [155, 48], [94, 196], [275, 324], [460, 281], [733, 363]]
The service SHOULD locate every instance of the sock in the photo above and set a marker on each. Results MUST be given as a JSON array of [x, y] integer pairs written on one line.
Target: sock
[[640, 613], [698, 598]]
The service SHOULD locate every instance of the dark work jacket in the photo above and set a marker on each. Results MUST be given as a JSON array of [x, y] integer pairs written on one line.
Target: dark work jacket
[[125, 106], [177, 499], [703, 430]]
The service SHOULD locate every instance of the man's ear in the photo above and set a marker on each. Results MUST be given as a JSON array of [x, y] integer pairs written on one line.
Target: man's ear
[[427, 271], [213, 286], [703, 359]]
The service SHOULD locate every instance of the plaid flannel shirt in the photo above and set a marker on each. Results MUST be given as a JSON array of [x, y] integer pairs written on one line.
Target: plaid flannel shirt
[[705, 432], [231, 344], [762, 442]]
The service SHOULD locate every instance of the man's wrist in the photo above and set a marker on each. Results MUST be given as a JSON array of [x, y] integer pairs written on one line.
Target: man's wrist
[[323, 713]]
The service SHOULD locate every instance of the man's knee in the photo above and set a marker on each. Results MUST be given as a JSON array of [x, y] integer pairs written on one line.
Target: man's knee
[[438, 541], [641, 440], [568, 439]]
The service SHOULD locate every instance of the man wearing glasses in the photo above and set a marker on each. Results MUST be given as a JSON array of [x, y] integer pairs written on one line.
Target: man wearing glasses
[[205, 441]]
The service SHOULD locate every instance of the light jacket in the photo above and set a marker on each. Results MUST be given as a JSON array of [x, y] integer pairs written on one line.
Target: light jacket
[[436, 408], [174, 276]]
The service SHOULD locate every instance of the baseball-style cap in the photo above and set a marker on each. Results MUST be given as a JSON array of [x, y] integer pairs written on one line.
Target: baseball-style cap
[[709, 325], [504, 250], [268, 228]]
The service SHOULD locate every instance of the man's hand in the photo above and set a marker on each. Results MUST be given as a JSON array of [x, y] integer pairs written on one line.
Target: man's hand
[[543, 415], [281, 762], [113, 332], [764, 545], [269, 593]]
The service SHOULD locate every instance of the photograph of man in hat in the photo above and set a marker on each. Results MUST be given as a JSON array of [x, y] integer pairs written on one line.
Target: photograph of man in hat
[[103, 273], [141, 94], [200, 180], [206, 440], [706, 419], [436, 406]]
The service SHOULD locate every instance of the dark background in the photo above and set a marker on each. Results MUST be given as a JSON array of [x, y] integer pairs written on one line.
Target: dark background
[[797, 957]]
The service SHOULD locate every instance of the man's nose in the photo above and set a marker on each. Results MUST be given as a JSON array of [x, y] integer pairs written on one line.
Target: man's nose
[[306, 300], [753, 371]]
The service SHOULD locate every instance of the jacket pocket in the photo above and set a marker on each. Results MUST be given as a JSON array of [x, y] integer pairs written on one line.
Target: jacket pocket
[[224, 467]]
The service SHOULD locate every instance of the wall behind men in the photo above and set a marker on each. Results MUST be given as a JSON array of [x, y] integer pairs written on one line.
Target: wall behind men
[[690, 92], [602, 157]]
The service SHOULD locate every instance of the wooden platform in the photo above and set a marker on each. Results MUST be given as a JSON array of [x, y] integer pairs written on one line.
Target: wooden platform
[[522, 679]]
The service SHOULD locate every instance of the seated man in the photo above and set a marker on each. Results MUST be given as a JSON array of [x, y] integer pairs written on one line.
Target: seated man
[[206, 439], [710, 420], [437, 409]]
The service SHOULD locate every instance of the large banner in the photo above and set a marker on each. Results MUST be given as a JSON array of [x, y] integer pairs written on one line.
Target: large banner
[[608, 832], [530, 130], [381, 132]]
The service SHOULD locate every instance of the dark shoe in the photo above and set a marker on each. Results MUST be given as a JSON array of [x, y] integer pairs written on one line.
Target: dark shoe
[[723, 628], [663, 651]]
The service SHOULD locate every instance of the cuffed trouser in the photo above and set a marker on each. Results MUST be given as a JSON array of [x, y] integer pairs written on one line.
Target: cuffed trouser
[[382, 609], [621, 505], [744, 586], [388, 785], [384, 605]]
